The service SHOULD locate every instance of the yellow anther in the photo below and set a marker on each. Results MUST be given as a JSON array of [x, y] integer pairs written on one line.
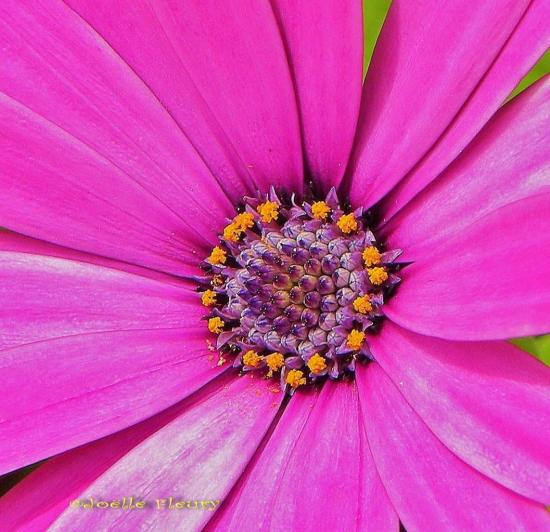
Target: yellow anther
[[371, 256], [269, 211], [377, 275], [244, 221], [208, 298], [316, 363], [355, 339], [232, 232], [215, 325], [347, 223], [217, 280], [251, 358], [275, 361], [320, 210], [295, 378], [362, 304], [218, 256]]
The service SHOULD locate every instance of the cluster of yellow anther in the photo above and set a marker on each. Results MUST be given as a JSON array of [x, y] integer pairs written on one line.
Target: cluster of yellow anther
[[371, 256], [316, 363], [362, 304], [295, 378], [215, 325], [377, 275], [269, 211], [251, 358], [238, 226], [355, 339], [320, 210], [208, 298], [274, 361], [347, 223], [217, 256]]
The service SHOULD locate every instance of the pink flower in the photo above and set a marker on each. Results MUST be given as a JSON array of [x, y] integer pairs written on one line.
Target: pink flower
[[130, 130]]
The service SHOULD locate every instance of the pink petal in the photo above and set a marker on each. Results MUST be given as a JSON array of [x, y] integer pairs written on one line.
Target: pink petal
[[429, 486], [491, 281], [315, 468], [198, 456], [138, 342], [324, 43], [507, 161], [426, 65], [487, 402], [221, 73], [526, 44], [107, 170], [41, 497]]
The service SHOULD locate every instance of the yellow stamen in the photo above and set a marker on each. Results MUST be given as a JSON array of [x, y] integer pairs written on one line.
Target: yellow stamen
[[316, 363], [295, 378], [347, 223], [232, 232], [244, 221], [355, 339], [217, 280], [377, 275], [208, 298], [218, 256], [269, 211], [251, 358], [320, 210], [362, 304], [275, 361], [371, 256], [215, 325]]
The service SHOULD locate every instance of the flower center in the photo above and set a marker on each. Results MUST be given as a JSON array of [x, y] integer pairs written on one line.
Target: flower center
[[294, 290]]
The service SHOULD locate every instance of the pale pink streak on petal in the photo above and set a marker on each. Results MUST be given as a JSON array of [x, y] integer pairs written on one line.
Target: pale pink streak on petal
[[429, 486], [41, 497], [491, 281], [506, 162], [528, 42], [488, 402], [222, 73], [43, 297], [324, 44], [92, 340], [198, 456], [106, 168], [426, 64], [315, 468], [65, 392]]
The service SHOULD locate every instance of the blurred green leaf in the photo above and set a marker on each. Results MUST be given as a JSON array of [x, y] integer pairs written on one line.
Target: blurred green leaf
[[536, 345]]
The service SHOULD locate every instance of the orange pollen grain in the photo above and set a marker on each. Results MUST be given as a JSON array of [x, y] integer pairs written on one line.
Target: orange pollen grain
[[362, 304], [316, 363], [251, 358], [347, 223], [269, 211], [377, 275], [320, 210], [371, 256], [215, 325], [295, 378], [355, 339], [208, 298]]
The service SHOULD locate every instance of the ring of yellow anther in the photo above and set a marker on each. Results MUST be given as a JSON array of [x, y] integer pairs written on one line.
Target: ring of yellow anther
[[355, 339], [244, 221], [347, 223], [320, 210], [295, 378], [208, 298], [268, 211], [251, 358], [371, 256], [217, 256], [316, 363], [215, 325], [232, 232], [377, 275], [362, 304]]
